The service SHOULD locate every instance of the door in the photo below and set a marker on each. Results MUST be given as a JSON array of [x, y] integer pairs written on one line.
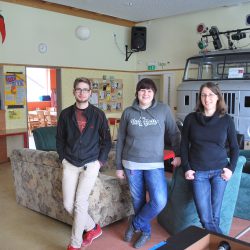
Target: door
[[165, 83]]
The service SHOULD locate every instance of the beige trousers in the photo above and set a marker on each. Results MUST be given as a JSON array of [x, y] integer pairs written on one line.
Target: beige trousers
[[77, 183]]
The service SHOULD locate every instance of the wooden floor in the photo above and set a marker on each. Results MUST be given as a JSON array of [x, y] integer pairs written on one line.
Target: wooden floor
[[24, 229]]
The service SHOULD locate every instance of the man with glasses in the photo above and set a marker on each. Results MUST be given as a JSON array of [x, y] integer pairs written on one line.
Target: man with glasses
[[83, 142]]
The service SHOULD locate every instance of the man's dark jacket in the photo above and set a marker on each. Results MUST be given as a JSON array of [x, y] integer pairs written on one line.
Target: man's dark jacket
[[92, 144]]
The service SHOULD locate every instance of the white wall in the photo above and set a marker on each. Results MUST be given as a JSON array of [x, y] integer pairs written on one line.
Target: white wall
[[174, 39], [26, 27], [168, 40]]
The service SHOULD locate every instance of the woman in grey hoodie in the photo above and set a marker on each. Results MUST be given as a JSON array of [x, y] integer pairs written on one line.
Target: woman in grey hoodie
[[140, 156]]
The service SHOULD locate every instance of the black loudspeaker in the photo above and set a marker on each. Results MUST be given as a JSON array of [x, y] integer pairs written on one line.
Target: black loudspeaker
[[138, 38]]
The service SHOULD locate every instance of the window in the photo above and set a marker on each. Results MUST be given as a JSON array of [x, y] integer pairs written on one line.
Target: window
[[218, 67], [247, 101], [38, 83]]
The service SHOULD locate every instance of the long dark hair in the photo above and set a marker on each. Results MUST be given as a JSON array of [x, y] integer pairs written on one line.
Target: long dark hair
[[221, 107]]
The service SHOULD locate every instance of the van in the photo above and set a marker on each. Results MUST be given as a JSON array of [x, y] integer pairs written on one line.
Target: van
[[230, 69]]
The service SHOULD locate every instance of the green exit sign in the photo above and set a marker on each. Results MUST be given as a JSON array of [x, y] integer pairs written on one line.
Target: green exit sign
[[151, 67]]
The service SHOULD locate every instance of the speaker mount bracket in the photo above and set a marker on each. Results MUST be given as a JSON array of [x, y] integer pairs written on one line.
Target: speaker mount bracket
[[128, 53]]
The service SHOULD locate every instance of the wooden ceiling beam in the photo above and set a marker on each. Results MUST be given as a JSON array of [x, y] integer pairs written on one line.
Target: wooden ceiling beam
[[40, 4]]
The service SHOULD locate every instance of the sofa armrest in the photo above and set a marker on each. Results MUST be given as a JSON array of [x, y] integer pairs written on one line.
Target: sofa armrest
[[47, 158]]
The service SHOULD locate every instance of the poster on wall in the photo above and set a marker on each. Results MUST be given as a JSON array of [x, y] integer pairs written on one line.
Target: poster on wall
[[14, 114], [107, 94], [15, 90]]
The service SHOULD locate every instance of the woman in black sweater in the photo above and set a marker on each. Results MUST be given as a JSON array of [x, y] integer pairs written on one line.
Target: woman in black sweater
[[205, 134]]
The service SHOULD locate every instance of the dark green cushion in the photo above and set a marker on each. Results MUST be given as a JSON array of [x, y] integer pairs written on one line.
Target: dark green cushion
[[246, 168], [246, 153], [45, 138], [242, 209], [180, 211]]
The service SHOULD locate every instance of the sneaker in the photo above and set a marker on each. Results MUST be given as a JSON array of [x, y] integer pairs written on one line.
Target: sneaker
[[142, 240], [89, 236], [129, 233], [73, 248]]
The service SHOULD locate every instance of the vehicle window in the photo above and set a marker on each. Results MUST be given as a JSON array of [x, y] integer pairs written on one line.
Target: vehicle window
[[218, 67], [235, 66], [203, 68], [192, 71], [207, 71]]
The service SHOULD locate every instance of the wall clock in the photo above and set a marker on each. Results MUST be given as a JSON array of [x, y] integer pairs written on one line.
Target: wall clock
[[42, 48]]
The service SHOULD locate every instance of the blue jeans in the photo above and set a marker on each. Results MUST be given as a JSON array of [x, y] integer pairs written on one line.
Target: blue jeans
[[208, 189], [154, 182]]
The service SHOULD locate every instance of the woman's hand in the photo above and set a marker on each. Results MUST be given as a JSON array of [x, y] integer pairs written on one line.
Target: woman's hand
[[189, 175], [120, 174], [176, 162], [226, 174]]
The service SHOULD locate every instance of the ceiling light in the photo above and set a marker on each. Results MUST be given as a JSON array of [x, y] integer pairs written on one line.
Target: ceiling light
[[82, 33]]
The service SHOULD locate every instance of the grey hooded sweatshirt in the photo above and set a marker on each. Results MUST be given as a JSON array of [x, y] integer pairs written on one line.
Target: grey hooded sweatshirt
[[141, 135]]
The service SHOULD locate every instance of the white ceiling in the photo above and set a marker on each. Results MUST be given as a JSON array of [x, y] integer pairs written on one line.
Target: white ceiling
[[144, 10]]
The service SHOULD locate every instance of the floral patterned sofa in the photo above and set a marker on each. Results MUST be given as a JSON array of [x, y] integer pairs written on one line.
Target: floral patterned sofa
[[37, 178]]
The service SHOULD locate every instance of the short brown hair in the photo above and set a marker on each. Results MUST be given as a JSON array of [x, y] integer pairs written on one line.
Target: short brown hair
[[221, 107], [82, 79]]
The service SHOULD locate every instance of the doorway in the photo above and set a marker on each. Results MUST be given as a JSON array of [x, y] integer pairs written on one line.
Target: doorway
[[42, 98], [165, 83]]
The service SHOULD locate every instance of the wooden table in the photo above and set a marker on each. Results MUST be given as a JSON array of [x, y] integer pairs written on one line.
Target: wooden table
[[11, 132]]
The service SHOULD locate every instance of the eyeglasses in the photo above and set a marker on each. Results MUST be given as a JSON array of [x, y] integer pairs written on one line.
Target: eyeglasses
[[209, 95], [79, 90]]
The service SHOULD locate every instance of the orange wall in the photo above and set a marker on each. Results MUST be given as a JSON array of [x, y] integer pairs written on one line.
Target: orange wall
[[38, 105], [53, 78]]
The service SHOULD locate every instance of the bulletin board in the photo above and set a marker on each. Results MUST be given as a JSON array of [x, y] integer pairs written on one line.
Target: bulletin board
[[107, 94], [15, 90]]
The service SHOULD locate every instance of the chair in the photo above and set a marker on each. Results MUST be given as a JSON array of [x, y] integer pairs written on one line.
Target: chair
[[33, 122], [114, 126], [45, 138], [51, 109], [51, 120], [180, 211], [41, 118], [168, 157]]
